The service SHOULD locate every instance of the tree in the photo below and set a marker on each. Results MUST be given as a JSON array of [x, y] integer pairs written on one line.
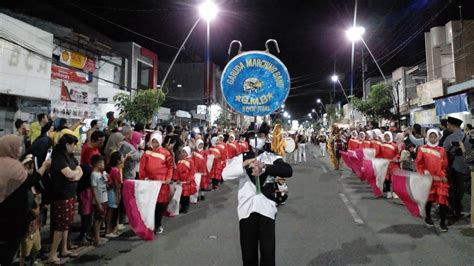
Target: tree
[[379, 102], [141, 107], [222, 121]]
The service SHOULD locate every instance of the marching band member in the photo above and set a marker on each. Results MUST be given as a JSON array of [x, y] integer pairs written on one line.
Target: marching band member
[[367, 142], [232, 147], [200, 163], [389, 150], [354, 142], [377, 141], [222, 147], [157, 165], [184, 174], [257, 208], [243, 144], [216, 170], [432, 160]]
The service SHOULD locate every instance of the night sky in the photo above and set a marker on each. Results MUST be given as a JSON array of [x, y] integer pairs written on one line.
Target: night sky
[[311, 34]]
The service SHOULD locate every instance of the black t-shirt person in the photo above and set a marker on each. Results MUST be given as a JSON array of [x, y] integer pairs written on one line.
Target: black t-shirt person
[[63, 188]]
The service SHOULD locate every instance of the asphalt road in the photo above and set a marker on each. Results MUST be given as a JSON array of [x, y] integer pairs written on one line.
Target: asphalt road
[[330, 218]]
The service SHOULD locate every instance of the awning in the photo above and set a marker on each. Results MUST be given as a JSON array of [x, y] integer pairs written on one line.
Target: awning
[[451, 104]]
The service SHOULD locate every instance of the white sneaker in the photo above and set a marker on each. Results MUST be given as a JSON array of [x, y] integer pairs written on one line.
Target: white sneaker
[[120, 227], [395, 196], [159, 230], [111, 235], [389, 195]]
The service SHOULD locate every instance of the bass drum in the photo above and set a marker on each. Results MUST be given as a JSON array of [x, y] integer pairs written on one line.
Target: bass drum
[[290, 145]]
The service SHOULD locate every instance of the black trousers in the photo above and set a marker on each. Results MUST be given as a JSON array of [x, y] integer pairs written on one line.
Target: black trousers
[[257, 231], [159, 210], [442, 212], [456, 191], [184, 203]]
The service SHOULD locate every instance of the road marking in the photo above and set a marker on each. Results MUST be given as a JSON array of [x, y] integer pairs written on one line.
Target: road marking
[[352, 211], [325, 170]]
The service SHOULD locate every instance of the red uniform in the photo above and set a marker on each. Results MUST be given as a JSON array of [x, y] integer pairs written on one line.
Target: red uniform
[[375, 144], [216, 170], [200, 164], [157, 164], [233, 149], [390, 152], [223, 160], [185, 173], [244, 146], [366, 144], [354, 144], [435, 161]]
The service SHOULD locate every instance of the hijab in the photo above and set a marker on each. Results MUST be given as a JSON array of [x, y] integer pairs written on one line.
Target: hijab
[[428, 136], [13, 174], [199, 142], [387, 133], [113, 144]]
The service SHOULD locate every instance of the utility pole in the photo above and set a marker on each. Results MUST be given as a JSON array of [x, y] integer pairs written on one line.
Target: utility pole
[[363, 75]]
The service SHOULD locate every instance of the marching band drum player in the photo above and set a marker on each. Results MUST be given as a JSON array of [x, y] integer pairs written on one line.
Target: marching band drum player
[[256, 206], [157, 165]]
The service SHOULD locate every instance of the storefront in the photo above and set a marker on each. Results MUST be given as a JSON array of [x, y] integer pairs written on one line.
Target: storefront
[[25, 71], [459, 105]]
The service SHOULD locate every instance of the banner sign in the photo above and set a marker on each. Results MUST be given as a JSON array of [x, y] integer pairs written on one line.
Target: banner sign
[[77, 60], [63, 73], [255, 83]]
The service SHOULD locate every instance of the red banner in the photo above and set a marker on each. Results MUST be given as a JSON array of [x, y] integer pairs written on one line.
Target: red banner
[[63, 73]]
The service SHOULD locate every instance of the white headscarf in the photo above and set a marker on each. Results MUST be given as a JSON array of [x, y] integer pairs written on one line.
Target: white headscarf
[[231, 136], [370, 134], [156, 135], [388, 133], [199, 142], [214, 141], [378, 133], [187, 149], [354, 134], [428, 137], [361, 135]]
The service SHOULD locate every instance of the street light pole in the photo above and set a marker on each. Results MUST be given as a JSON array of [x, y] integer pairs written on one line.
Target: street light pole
[[207, 10], [177, 54]]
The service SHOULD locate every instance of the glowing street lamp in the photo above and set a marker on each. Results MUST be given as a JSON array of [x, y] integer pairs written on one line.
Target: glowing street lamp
[[282, 106], [355, 33], [318, 100], [313, 111], [208, 10], [335, 79]]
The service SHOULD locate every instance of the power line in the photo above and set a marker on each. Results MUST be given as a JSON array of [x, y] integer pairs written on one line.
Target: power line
[[124, 28]]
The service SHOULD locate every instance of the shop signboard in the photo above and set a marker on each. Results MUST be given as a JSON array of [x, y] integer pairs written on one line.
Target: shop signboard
[[429, 90], [427, 117], [25, 59], [77, 60]]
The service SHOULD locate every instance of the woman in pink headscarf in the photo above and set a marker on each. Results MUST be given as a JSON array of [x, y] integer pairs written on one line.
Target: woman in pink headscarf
[[15, 185]]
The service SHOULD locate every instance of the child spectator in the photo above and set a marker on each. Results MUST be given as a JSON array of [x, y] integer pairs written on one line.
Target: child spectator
[[99, 191], [31, 244], [114, 192]]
